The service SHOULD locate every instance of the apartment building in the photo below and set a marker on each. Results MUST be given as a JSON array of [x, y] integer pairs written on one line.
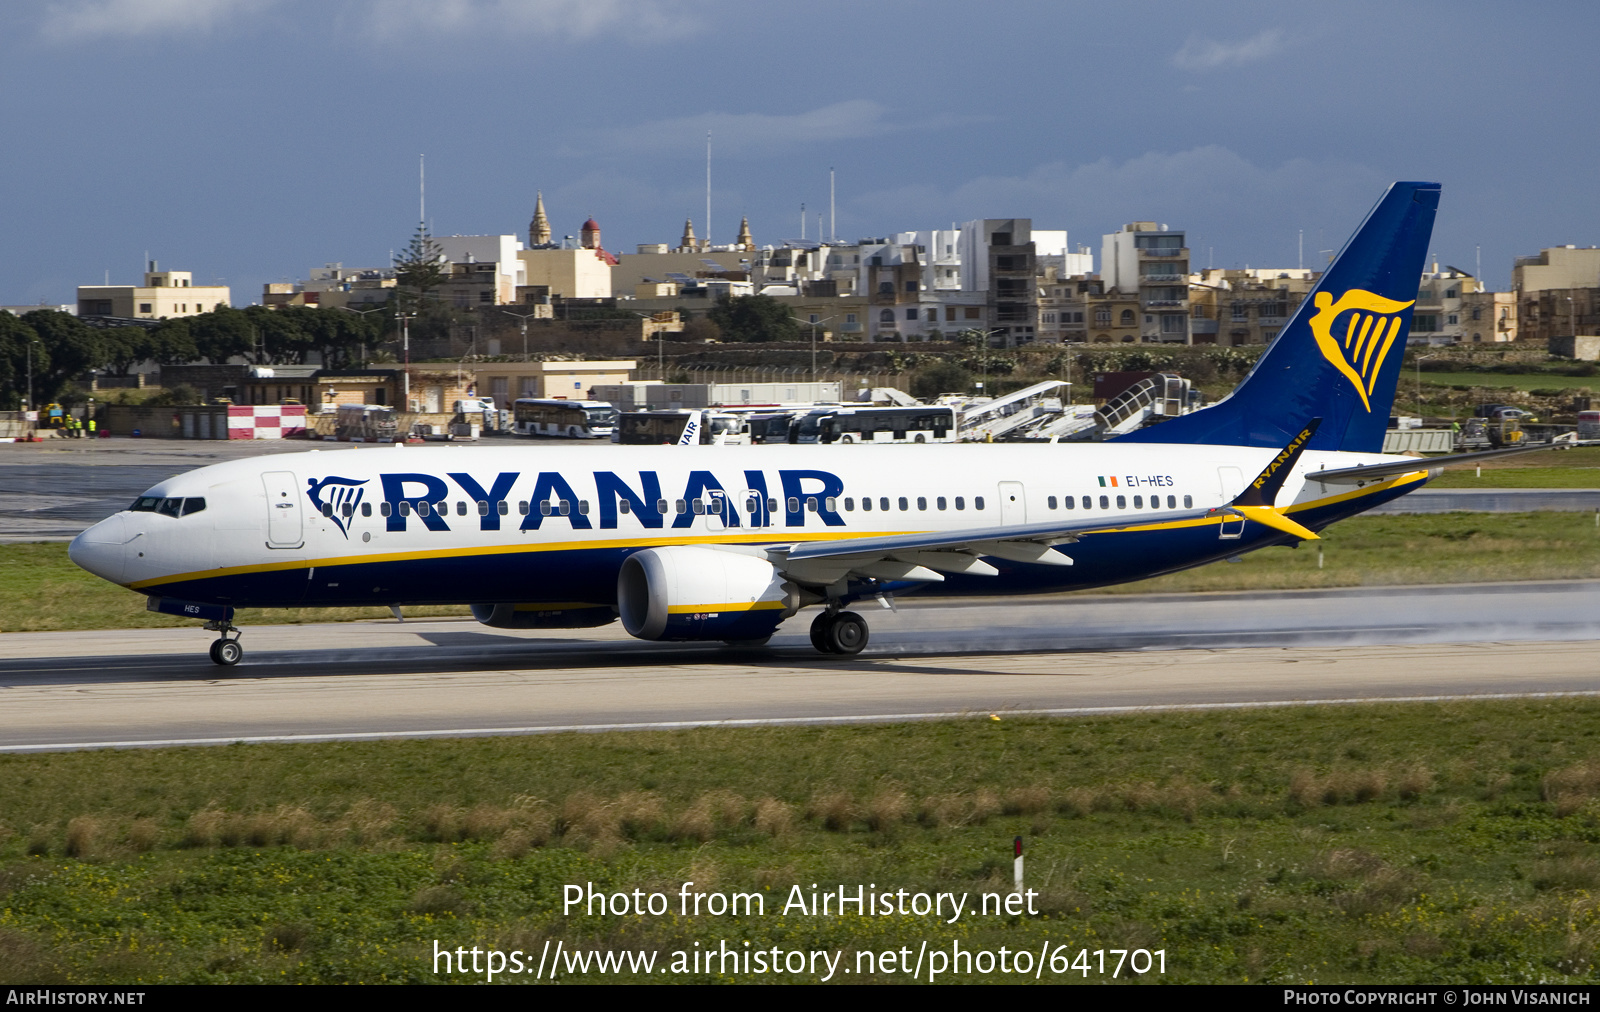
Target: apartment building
[[164, 295], [1151, 261]]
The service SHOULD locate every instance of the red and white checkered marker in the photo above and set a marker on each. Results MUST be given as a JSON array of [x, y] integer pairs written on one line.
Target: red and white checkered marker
[[266, 421]]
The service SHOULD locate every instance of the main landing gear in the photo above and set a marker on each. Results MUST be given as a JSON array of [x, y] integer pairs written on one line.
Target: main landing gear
[[839, 632], [226, 652]]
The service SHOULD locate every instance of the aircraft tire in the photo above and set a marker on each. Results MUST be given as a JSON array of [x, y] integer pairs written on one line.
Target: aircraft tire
[[847, 634], [227, 652], [820, 627]]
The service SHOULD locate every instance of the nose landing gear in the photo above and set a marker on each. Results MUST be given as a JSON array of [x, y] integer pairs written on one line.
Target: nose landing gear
[[226, 652], [839, 632]]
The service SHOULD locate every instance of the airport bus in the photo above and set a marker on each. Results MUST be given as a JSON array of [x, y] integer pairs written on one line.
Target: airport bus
[[659, 428], [921, 424], [569, 419]]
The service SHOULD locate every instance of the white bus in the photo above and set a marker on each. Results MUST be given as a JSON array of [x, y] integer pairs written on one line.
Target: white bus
[[569, 419], [923, 424]]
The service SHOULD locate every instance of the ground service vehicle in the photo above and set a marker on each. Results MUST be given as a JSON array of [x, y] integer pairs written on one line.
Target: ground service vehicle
[[687, 426], [725, 543]]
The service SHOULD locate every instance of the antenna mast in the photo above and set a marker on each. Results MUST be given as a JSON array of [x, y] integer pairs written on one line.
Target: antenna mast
[[708, 189], [422, 188], [833, 220]]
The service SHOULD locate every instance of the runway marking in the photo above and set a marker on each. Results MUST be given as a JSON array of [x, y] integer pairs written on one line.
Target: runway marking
[[879, 718]]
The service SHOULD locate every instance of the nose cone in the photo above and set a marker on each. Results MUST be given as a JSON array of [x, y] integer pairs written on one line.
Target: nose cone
[[101, 549]]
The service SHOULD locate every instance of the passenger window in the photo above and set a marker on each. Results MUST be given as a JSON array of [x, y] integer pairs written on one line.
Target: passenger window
[[347, 509], [661, 506], [1088, 502], [583, 506], [522, 506], [544, 508], [1188, 502], [566, 507], [752, 505], [483, 508], [502, 507], [1122, 502], [961, 502], [699, 507], [883, 503], [405, 508], [326, 508], [977, 502], [831, 504], [1051, 502], [366, 509], [866, 503], [772, 505], [384, 509], [1172, 502], [941, 502], [1105, 503], [904, 505], [424, 508], [1138, 502], [849, 504], [461, 507], [922, 502], [811, 503], [681, 506], [1068, 501], [794, 505]]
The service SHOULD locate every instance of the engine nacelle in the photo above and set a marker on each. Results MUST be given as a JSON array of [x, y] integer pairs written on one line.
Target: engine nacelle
[[543, 616], [687, 593]]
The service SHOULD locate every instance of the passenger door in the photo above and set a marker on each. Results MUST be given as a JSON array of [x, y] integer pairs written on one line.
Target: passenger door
[[283, 510]]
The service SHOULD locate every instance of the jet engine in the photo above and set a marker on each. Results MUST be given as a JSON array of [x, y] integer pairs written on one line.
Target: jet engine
[[544, 616], [687, 593]]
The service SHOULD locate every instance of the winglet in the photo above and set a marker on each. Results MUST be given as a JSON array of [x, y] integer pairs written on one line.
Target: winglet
[[1264, 490]]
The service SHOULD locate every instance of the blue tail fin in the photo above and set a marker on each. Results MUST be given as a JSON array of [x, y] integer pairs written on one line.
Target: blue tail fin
[[1339, 357]]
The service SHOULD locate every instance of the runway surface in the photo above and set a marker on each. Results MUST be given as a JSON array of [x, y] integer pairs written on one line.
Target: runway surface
[[929, 658], [52, 491]]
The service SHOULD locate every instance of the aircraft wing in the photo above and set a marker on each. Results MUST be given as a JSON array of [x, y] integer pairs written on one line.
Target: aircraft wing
[[924, 556]]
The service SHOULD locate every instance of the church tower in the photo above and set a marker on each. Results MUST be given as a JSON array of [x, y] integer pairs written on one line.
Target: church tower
[[539, 228], [591, 234], [745, 242], [688, 244]]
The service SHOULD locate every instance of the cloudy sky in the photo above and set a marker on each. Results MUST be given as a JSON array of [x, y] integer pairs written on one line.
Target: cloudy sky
[[249, 140]]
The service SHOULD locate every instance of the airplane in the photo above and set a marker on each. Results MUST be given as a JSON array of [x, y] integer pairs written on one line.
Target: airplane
[[717, 543]]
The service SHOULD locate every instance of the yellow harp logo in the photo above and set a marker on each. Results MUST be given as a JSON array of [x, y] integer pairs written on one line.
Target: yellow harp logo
[[1358, 350]]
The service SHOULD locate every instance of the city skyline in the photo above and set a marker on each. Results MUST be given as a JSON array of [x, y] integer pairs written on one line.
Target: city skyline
[[249, 140]]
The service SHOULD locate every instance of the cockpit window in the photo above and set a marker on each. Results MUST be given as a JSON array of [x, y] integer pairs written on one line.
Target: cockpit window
[[172, 507]]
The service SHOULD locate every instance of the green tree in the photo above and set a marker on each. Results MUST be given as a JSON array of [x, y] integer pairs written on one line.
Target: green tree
[[420, 268], [940, 378], [222, 334], [754, 318], [71, 348], [14, 339]]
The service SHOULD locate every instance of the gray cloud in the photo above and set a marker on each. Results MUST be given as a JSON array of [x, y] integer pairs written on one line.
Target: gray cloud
[[77, 19], [1200, 53], [749, 133]]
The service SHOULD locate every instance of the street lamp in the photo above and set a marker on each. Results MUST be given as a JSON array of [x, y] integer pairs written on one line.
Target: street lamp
[[522, 319], [813, 323], [363, 313]]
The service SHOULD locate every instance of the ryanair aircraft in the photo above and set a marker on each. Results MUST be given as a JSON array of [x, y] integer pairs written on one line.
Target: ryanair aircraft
[[724, 543]]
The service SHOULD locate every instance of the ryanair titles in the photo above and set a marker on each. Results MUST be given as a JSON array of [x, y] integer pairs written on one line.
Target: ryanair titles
[[531, 500]]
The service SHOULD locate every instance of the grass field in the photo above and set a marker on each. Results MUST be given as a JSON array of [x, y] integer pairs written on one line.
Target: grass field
[[41, 590], [1423, 843], [1522, 381]]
